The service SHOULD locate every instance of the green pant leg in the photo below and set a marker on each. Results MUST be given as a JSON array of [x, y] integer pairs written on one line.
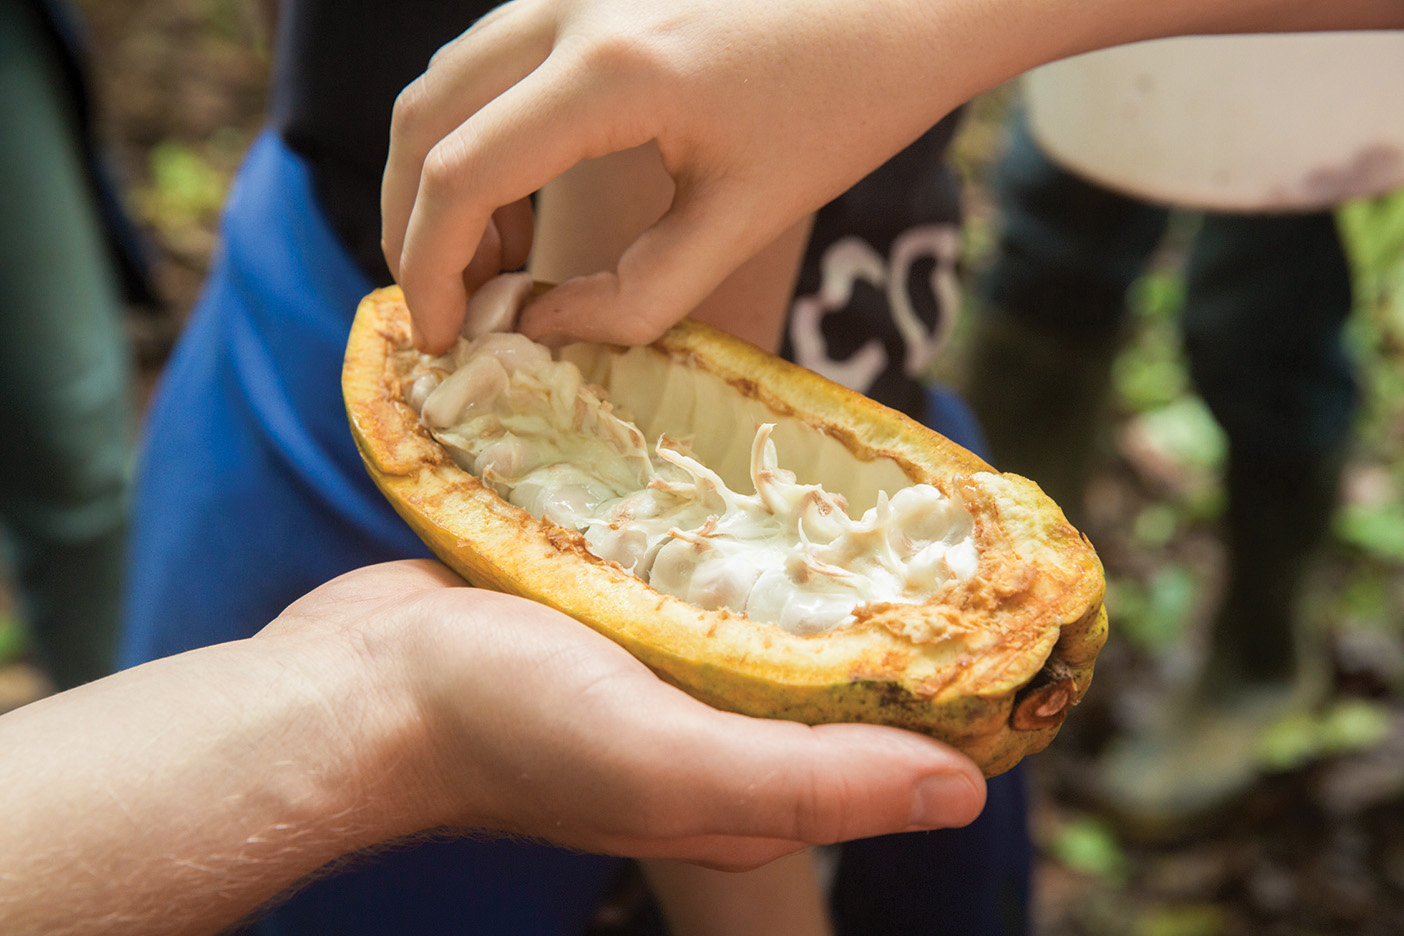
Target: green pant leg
[[1266, 304], [65, 405], [1051, 317], [1267, 301]]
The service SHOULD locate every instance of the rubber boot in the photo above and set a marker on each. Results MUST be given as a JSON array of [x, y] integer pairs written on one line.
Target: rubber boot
[[1053, 316], [1263, 662], [1043, 401], [1278, 516]]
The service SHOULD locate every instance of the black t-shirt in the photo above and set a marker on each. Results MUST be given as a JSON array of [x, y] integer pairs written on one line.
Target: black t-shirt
[[338, 66], [877, 288]]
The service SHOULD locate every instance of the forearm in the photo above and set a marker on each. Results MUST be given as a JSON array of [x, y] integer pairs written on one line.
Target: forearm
[[974, 45], [181, 795]]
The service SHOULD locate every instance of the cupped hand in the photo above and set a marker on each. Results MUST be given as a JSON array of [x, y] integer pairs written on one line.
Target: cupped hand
[[530, 723], [762, 113]]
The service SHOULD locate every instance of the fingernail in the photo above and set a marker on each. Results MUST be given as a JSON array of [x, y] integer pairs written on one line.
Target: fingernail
[[944, 800]]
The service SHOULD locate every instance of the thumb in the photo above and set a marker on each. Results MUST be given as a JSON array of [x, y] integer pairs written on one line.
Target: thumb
[[865, 780], [788, 782], [661, 277]]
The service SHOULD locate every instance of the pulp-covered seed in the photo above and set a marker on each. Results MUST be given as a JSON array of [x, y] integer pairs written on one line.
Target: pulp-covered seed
[[789, 553]]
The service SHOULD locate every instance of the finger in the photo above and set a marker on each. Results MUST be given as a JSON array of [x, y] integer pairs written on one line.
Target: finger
[[533, 132], [703, 773], [493, 55], [664, 274], [515, 224], [834, 783], [505, 244], [691, 771], [486, 262]]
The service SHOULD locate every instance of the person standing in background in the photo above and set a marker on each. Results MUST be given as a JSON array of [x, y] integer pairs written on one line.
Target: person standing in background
[[68, 260], [1267, 297]]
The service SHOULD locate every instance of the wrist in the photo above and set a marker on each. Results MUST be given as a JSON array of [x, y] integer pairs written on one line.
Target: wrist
[[366, 733], [238, 768]]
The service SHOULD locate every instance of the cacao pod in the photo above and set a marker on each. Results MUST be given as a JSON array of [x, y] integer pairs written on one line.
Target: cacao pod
[[989, 662]]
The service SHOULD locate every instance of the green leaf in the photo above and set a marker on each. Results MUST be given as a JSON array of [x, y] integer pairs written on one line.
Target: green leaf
[[1156, 525], [1289, 744], [1157, 296], [1145, 381], [1354, 725], [1088, 845], [1348, 726], [1171, 599], [1366, 599], [1153, 616], [1378, 529], [1181, 920], [1188, 432], [184, 188], [14, 638], [1373, 230]]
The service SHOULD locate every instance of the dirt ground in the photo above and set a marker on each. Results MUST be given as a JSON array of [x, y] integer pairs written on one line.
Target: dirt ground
[[1317, 848]]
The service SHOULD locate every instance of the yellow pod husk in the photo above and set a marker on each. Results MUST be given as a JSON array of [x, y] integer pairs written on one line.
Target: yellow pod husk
[[991, 664]]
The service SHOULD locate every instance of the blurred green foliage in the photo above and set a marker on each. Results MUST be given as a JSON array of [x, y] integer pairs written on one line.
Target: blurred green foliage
[[1088, 845], [1346, 726], [1366, 600], [1377, 529], [1185, 430], [1150, 372], [1192, 919], [1154, 614], [185, 188], [14, 639], [1373, 231]]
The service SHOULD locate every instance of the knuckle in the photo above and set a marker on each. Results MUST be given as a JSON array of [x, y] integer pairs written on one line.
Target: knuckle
[[617, 54], [615, 51], [444, 168], [821, 814], [410, 105], [444, 52]]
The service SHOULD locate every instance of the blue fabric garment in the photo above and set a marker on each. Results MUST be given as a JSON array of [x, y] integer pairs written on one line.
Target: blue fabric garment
[[251, 493]]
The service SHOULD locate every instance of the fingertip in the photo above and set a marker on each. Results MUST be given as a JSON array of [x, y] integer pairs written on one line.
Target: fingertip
[[950, 791], [944, 787], [947, 800], [431, 341], [435, 319]]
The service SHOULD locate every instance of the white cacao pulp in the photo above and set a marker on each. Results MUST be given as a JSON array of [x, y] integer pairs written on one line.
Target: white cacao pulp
[[789, 553]]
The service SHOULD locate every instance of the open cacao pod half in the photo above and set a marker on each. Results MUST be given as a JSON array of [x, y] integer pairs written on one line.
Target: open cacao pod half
[[812, 554]]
